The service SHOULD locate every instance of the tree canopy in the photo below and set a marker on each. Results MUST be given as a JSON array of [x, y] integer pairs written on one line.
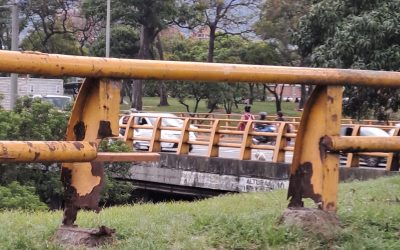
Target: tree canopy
[[355, 34]]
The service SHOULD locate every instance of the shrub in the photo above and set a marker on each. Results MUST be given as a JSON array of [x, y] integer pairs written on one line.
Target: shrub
[[15, 196]]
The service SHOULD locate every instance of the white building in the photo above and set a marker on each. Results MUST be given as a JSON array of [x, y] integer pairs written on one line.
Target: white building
[[29, 86]]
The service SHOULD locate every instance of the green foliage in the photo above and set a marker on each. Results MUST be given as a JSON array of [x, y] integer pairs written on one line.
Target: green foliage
[[116, 191], [124, 43], [149, 13], [369, 212], [57, 43], [15, 196], [33, 120], [228, 49], [358, 35]]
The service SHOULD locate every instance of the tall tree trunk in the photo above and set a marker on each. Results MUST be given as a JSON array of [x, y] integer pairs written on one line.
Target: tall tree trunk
[[278, 103], [211, 44], [146, 38], [303, 96], [264, 94], [212, 102], [162, 88], [251, 90]]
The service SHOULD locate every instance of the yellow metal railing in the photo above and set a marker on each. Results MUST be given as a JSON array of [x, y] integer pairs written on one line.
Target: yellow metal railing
[[314, 171]]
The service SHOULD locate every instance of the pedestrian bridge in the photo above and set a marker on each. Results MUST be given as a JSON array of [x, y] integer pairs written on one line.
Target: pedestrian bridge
[[220, 165], [217, 136]]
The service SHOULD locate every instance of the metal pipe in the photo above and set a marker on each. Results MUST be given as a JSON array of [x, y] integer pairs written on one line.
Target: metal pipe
[[108, 28], [127, 157], [14, 47], [63, 65], [353, 144], [47, 151]]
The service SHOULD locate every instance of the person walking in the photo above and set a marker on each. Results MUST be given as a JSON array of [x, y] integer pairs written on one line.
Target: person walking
[[247, 115]]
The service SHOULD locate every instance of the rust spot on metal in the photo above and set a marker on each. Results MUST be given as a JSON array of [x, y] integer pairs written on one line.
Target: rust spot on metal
[[330, 99], [334, 118], [74, 202], [78, 145], [300, 186], [80, 131], [37, 154], [51, 147], [325, 144], [104, 129]]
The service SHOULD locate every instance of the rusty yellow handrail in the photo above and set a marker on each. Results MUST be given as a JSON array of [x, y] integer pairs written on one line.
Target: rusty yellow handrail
[[95, 67], [314, 170]]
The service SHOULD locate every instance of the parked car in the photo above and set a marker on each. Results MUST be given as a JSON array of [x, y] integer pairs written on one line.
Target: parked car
[[370, 161], [60, 102], [168, 120]]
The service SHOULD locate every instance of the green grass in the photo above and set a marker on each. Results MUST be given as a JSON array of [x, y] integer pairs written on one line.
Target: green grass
[[150, 104], [369, 212]]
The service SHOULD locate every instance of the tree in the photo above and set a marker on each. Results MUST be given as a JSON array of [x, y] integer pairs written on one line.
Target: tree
[[278, 21], [181, 49], [262, 53], [124, 43], [54, 25], [221, 18], [162, 88], [358, 35], [151, 16], [232, 17], [57, 43]]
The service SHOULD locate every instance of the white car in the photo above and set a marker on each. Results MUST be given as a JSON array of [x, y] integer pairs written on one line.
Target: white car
[[59, 102], [370, 161], [149, 119]]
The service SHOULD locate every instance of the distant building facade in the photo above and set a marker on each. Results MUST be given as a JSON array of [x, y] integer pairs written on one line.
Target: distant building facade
[[29, 87], [290, 92]]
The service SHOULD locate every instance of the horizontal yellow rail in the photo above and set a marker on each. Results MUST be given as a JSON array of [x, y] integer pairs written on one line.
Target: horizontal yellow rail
[[47, 151], [364, 144], [95, 67], [127, 157]]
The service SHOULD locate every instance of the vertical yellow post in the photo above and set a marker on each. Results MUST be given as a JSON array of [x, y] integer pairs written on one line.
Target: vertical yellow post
[[129, 132], [155, 144], [314, 172], [279, 153], [245, 150], [183, 146], [213, 148], [353, 159], [330, 161], [392, 163], [94, 117]]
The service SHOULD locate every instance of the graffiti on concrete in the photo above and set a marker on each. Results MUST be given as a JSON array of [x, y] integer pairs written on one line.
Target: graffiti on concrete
[[230, 183]]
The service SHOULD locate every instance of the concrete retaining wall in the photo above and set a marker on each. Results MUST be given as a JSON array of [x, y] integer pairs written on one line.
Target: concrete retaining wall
[[227, 175]]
